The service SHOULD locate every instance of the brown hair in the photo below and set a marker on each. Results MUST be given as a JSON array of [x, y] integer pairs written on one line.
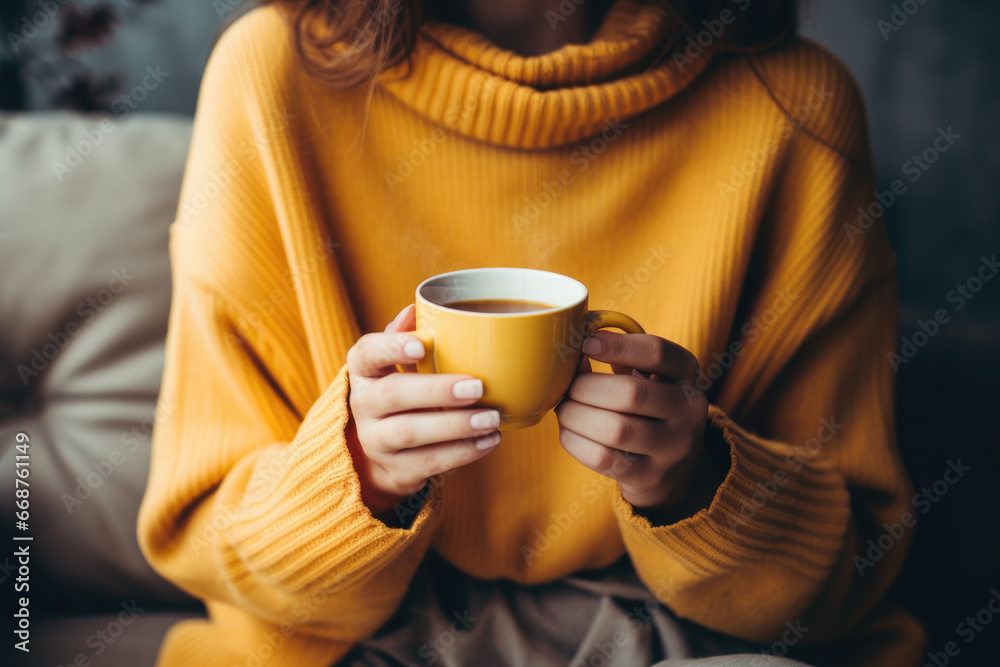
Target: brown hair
[[348, 42]]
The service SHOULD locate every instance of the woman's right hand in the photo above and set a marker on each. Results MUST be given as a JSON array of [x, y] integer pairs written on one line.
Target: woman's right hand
[[398, 435]]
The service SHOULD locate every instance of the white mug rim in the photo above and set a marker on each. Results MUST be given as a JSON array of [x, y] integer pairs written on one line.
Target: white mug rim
[[502, 269]]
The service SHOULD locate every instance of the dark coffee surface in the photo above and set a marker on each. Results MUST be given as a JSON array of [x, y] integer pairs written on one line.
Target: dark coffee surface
[[499, 306]]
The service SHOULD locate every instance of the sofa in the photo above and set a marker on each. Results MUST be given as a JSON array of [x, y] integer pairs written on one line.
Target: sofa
[[85, 206], [84, 296]]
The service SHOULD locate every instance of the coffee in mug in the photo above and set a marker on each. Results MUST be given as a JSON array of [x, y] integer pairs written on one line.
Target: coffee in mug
[[499, 306]]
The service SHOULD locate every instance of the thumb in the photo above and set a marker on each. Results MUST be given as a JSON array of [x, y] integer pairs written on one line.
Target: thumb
[[406, 320]]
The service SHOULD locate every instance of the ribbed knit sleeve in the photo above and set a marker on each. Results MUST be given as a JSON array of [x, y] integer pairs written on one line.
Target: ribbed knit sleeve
[[253, 503], [802, 394]]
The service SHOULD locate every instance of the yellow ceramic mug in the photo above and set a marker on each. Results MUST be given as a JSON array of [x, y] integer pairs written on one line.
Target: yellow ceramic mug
[[526, 360]]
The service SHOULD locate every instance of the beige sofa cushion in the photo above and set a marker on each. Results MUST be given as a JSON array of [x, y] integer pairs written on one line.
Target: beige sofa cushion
[[84, 299]]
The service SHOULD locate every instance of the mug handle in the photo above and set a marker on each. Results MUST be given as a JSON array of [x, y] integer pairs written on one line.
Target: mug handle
[[596, 319], [425, 364], [603, 319]]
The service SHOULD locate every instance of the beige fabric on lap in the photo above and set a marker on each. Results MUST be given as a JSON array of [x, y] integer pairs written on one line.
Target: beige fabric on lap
[[599, 619]]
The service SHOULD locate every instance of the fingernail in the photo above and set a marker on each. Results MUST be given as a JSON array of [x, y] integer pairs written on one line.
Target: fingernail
[[486, 419], [414, 349], [488, 441], [468, 389], [395, 319], [593, 346]]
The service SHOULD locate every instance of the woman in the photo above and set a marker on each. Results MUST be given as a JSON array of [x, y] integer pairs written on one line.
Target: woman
[[695, 165]]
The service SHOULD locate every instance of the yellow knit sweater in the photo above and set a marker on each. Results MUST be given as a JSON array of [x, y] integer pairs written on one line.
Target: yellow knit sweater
[[681, 194]]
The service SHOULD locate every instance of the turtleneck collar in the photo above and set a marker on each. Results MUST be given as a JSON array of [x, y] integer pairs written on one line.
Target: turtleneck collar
[[462, 81]]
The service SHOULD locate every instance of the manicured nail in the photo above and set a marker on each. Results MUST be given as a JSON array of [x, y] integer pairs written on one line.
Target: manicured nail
[[468, 389], [593, 346], [395, 319], [414, 349], [488, 441], [485, 419]]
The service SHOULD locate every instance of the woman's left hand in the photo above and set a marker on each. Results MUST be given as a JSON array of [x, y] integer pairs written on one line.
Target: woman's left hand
[[645, 432]]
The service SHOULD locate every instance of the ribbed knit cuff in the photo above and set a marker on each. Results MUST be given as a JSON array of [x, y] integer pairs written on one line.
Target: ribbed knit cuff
[[303, 524], [776, 503], [234, 637]]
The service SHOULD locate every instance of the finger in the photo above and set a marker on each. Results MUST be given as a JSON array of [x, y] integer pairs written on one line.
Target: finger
[[630, 433], [416, 429], [623, 393], [581, 369], [402, 392], [646, 352], [405, 320], [419, 463], [376, 354], [680, 404], [600, 458]]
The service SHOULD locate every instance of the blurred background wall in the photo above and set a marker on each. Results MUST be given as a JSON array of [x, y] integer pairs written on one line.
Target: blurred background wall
[[935, 69]]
